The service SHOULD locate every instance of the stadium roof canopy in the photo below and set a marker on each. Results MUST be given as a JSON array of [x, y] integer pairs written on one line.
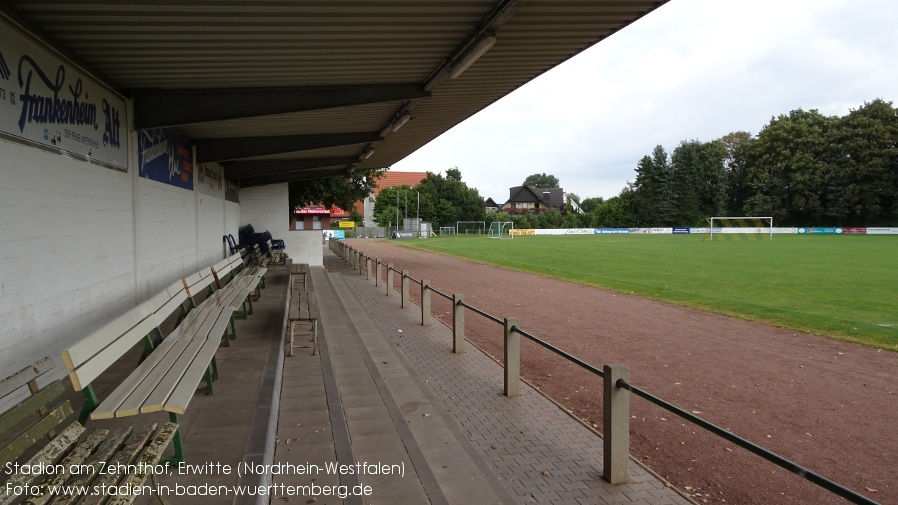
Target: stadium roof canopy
[[281, 90]]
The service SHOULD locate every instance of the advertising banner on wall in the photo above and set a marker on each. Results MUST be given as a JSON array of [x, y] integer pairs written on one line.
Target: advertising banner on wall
[[47, 101], [882, 231], [611, 231], [210, 179], [164, 156]]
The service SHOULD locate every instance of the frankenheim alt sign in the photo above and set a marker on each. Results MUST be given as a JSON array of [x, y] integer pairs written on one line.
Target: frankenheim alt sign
[[47, 101]]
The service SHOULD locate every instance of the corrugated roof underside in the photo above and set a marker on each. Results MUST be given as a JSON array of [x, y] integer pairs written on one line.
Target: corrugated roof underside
[[275, 43]]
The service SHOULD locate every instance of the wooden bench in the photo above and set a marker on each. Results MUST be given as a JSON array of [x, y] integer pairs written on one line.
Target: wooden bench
[[30, 428], [240, 267], [299, 275], [91, 356], [168, 377], [303, 317]]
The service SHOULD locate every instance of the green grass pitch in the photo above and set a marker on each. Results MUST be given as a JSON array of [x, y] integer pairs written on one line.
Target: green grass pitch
[[840, 286]]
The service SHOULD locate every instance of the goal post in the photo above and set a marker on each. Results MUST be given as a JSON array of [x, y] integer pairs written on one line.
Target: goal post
[[470, 227], [501, 230], [447, 231], [746, 225]]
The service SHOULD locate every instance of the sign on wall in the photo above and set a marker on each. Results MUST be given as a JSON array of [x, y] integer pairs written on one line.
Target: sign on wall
[[164, 156], [45, 100], [210, 179]]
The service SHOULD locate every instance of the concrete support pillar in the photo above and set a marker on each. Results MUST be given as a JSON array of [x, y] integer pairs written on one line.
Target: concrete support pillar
[[367, 268], [512, 358], [425, 302], [458, 324], [404, 291], [389, 279], [377, 269], [616, 433]]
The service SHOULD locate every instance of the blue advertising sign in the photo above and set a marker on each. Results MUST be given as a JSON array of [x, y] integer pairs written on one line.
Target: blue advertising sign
[[164, 156], [681, 231], [615, 231]]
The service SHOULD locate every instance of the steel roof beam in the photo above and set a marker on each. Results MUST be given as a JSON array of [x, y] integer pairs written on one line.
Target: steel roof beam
[[222, 149], [243, 169], [304, 175], [173, 107]]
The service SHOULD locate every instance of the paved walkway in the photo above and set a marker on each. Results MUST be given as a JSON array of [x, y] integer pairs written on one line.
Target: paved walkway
[[432, 426]]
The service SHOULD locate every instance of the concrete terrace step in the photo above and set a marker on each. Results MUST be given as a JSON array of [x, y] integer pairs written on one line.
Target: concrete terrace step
[[527, 445]]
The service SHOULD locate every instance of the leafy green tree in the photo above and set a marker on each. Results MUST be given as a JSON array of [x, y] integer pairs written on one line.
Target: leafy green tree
[[542, 181], [549, 219], [863, 186], [737, 190], [385, 207], [339, 191], [616, 212], [685, 184], [588, 204], [788, 168], [447, 200]]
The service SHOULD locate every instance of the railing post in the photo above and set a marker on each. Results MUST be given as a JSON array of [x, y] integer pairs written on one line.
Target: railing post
[[359, 261], [616, 435], [367, 268], [377, 269], [458, 324], [389, 279], [425, 302], [512, 359], [404, 291]]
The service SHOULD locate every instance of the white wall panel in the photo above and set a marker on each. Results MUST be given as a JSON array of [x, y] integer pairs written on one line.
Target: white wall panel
[[166, 222], [67, 254]]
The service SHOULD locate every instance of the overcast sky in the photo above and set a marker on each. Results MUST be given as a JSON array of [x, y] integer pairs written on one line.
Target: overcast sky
[[692, 69]]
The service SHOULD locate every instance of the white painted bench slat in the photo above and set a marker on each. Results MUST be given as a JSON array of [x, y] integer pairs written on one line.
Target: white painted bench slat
[[182, 394], [85, 373], [199, 281], [149, 379]]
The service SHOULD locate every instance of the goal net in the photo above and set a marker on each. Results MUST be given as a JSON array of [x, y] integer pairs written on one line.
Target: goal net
[[739, 228], [501, 229], [447, 231], [470, 227]]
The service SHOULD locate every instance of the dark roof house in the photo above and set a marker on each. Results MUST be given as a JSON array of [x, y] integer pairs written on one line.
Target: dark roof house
[[526, 199]]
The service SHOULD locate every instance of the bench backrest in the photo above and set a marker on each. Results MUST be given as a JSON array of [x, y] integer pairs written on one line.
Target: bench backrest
[[98, 351], [229, 265], [27, 419], [196, 283]]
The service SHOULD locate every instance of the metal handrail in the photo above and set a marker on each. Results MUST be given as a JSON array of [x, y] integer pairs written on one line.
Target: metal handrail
[[774, 458], [437, 291], [563, 354], [482, 313]]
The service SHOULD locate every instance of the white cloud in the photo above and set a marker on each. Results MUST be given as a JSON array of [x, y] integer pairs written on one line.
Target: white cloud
[[693, 69]]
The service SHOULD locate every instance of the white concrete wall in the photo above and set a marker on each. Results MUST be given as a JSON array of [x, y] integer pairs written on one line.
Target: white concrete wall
[[166, 220], [305, 247], [268, 208], [67, 257], [83, 243]]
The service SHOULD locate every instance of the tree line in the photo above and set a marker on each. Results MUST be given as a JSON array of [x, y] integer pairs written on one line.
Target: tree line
[[802, 168]]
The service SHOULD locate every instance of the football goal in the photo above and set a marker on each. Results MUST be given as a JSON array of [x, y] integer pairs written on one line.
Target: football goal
[[501, 229], [447, 231], [736, 228], [470, 227]]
